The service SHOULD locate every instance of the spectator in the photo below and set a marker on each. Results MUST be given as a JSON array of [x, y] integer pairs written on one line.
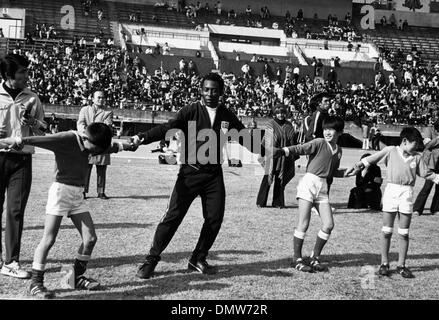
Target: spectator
[[100, 14], [248, 11], [392, 20], [300, 15], [348, 18], [232, 14], [367, 193], [1, 33], [29, 39], [166, 49], [219, 7], [157, 49]]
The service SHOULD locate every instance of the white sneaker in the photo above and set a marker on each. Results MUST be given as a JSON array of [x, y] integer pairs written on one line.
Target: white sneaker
[[14, 270], [334, 210]]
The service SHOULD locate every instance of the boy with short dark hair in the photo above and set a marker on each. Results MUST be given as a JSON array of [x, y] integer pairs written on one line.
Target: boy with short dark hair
[[65, 196], [403, 162], [312, 190]]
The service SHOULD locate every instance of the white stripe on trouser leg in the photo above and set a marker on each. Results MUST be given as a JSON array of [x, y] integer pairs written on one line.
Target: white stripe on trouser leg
[[323, 235], [83, 257], [38, 266], [403, 232], [387, 230], [299, 234]]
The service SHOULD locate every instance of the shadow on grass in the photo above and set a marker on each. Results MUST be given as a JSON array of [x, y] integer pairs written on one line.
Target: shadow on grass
[[116, 225], [175, 257], [363, 259], [184, 280], [158, 196]]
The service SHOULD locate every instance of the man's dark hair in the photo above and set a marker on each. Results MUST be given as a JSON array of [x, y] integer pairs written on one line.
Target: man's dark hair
[[99, 134], [334, 122], [11, 64], [214, 77], [412, 134]]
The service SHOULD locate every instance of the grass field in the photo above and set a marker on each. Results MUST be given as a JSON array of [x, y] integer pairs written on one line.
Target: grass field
[[253, 250]]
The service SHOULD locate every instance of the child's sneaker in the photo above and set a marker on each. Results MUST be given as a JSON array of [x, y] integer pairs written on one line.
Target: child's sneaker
[[384, 270], [317, 266], [404, 272], [302, 266], [84, 283], [38, 290]]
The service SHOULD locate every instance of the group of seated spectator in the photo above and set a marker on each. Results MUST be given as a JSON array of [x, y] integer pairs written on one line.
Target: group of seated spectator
[[394, 23], [44, 32], [63, 75]]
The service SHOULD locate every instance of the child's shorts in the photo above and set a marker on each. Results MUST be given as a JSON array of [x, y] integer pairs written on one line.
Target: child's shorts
[[398, 198], [65, 200], [313, 189]]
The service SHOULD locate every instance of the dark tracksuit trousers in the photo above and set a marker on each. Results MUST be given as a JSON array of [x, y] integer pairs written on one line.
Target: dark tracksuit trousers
[[101, 173], [422, 197], [278, 193], [15, 180], [206, 182]]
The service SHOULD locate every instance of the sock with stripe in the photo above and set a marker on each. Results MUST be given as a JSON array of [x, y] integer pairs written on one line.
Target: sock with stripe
[[38, 271], [80, 265], [322, 238], [298, 244]]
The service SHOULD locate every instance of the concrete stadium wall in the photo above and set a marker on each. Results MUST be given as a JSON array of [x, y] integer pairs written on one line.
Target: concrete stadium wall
[[344, 74]]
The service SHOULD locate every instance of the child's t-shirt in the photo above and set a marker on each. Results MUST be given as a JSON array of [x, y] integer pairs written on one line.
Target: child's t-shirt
[[71, 158], [323, 160], [400, 169]]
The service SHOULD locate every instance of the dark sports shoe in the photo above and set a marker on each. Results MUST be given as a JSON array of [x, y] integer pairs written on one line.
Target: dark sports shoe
[[404, 272], [384, 270], [302, 266], [317, 266], [201, 266], [146, 270], [38, 290], [84, 283]]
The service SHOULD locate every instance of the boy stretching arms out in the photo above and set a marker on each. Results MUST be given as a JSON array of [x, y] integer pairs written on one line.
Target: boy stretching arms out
[[312, 190], [403, 164], [65, 196]]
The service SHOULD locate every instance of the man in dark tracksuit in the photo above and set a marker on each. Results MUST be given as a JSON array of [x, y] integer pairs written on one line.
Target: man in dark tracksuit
[[194, 178], [315, 121]]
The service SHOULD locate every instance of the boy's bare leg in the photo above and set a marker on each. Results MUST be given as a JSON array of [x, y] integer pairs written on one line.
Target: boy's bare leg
[[84, 224], [51, 228]]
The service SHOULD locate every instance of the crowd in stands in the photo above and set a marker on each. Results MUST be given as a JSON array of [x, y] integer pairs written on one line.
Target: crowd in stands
[[63, 76]]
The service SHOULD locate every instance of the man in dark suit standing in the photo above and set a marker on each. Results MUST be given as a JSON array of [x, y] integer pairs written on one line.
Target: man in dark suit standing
[[87, 115], [315, 121], [197, 177]]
